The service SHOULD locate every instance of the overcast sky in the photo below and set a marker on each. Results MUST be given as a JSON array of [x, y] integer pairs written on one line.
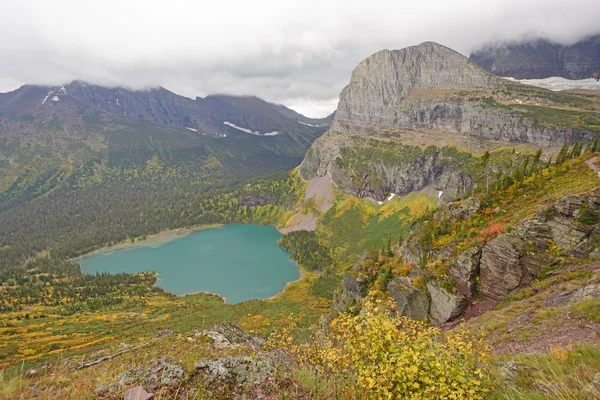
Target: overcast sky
[[298, 53]]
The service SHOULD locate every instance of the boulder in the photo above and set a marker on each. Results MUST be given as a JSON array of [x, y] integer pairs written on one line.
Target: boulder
[[138, 393], [353, 291], [243, 369], [164, 372], [410, 301], [586, 293], [445, 305], [460, 209], [228, 334], [465, 269]]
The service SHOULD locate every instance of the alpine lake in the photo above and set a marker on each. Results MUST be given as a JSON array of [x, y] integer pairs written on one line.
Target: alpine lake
[[239, 262]]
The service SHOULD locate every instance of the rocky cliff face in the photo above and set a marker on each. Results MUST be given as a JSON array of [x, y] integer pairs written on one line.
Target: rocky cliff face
[[382, 86], [431, 91]]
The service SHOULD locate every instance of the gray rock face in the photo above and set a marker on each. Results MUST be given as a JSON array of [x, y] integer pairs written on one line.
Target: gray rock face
[[382, 83], [541, 59], [445, 306], [353, 290], [505, 262], [513, 259], [163, 372], [228, 334], [243, 369], [586, 293], [410, 301], [465, 270], [417, 88]]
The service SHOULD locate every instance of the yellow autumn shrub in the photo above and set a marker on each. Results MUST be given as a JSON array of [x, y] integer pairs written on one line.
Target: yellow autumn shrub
[[384, 356]]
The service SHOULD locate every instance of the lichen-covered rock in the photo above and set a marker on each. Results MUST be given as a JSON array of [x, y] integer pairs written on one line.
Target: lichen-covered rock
[[244, 368], [586, 293], [410, 301], [444, 305], [228, 334], [512, 371], [106, 389], [163, 372], [465, 269], [129, 377], [353, 291]]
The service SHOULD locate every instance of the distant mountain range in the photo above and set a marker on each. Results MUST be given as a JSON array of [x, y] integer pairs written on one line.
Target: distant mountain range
[[212, 116], [65, 138], [541, 59]]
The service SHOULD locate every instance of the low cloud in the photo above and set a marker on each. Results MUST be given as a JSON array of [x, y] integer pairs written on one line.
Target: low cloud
[[299, 53]]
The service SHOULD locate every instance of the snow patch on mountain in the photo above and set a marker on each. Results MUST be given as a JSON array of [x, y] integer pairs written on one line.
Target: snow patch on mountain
[[304, 123], [242, 129], [557, 83]]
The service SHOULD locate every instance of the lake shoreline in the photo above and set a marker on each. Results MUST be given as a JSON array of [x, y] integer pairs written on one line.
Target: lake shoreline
[[138, 241], [165, 237]]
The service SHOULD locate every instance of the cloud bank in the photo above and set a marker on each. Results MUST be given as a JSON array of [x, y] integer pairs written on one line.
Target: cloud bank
[[298, 53]]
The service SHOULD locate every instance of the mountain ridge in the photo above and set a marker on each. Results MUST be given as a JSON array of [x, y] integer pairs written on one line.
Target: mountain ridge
[[205, 115], [541, 58]]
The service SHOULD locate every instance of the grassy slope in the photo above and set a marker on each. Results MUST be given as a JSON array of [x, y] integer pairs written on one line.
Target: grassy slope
[[27, 340]]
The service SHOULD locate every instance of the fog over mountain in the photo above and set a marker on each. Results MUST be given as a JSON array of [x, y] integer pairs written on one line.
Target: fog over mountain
[[297, 53]]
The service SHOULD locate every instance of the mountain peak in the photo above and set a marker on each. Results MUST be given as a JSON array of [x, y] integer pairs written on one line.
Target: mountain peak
[[386, 79]]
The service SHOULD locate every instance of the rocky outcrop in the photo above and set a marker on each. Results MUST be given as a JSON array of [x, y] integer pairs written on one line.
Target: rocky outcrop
[[228, 334], [514, 259], [162, 373], [541, 59], [243, 369], [445, 305], [588, 292], [353, 291], [409, 300], [429, 88], [464, 271]]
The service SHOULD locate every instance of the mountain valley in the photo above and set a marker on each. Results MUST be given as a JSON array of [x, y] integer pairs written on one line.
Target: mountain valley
[[446, 222]]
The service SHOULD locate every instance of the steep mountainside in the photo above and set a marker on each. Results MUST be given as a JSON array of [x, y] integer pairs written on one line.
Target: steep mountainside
[[410, 118], [108, 152], [542, 59]]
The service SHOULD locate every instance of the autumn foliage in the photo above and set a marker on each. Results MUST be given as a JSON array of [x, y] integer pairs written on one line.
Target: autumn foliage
[[382, 356], [493, 229]]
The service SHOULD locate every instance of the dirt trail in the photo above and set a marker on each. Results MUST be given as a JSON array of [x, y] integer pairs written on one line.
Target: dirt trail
[[320, 189]]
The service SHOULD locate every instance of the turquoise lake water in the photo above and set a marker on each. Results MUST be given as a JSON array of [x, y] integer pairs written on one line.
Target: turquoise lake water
[[239, 262]]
